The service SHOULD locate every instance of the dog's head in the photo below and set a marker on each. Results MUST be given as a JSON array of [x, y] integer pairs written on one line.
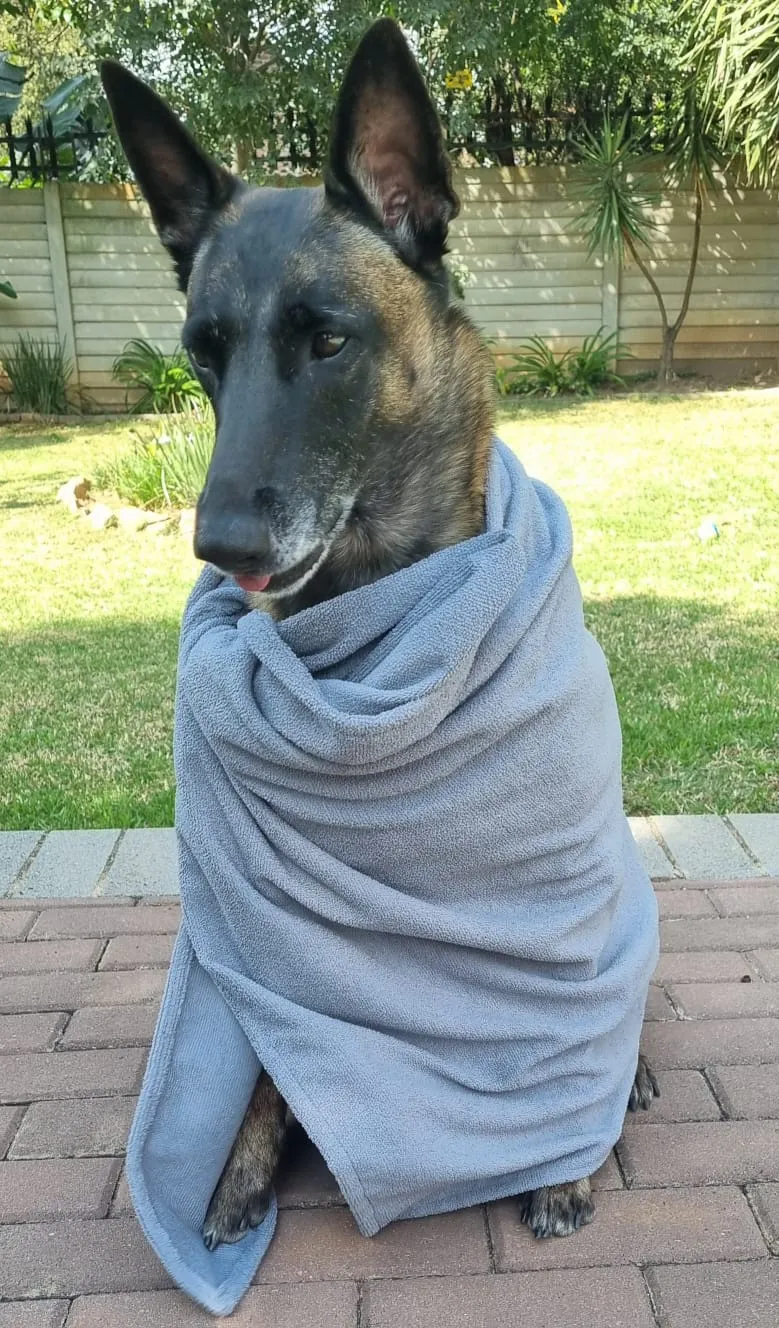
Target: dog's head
[[312, 314]]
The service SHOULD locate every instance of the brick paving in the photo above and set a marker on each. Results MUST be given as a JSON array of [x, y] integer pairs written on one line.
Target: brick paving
[[687, 1226]]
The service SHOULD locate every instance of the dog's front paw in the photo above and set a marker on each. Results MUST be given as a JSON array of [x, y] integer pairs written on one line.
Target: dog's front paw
[[238, 1204], [645, 1088], [557, 1210]]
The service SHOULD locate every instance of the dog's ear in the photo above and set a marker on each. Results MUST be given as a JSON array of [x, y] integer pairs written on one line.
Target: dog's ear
[[387, 154], [184, 188]]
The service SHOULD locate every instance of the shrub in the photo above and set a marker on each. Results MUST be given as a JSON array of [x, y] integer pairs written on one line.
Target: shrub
[[170, 469], [535, 369], [38, 371], [594, 364], [7, 289], [166, 382]]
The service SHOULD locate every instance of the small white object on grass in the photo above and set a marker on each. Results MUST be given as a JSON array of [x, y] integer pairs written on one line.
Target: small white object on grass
[[708, 530]]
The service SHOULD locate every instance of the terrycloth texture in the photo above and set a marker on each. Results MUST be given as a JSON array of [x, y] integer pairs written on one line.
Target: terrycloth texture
[[409, 891]]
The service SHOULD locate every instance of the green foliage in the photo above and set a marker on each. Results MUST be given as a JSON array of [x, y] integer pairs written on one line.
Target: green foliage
[[38, 371], [169, 470], [166, 382], [734, 45], [460, 274], [619, 187], [617, 200], [535, 369], [7, 289], [249, 77]]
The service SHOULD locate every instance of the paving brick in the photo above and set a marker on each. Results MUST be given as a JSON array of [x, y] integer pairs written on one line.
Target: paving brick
[[145, 864], [29, 1032], [636, 1226], [703, 966], [56, 1188], [765, 1199], [760, 830], [704, 846], [304, 1180], [122, 1204], [717, 1295], [749, 1092], [35, 1076], [9, 1123], [323, 1244], [658, 1005], [78, 1257], [716, 933], [110, 1026], [138, 952], [15, 848], [71, 991], [697, 883], [725, 1000], [608, 1177], [49, 956], [56, 923], [606, 1297], [683, 1045], [15, 924], [685, 904], [69, 862], [33, 1313], [655, 860], [315, 1304], [684, 1096], [729, 1152], [42, 902], [767, 963], [88, 1127], [746, 900]]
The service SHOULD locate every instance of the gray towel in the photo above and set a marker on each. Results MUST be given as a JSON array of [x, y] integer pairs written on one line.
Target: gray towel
[[409, 891]]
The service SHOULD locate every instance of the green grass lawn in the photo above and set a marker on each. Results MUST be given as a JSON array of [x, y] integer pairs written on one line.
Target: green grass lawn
[[89, 620]]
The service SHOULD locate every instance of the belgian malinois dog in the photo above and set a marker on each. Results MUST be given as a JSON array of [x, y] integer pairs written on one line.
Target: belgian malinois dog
[[354, 405]]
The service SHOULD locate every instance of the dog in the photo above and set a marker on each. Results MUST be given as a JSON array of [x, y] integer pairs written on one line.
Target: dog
[[354, 404]]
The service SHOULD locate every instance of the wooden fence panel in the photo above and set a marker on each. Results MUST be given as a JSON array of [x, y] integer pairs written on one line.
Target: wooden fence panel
[[529, 273]]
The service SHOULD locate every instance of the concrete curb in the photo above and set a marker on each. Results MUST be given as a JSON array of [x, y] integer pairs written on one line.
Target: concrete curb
[[92, 864]]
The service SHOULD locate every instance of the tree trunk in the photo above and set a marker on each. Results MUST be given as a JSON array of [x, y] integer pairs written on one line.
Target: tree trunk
[[665, 368], [243, 153], [670, 331]]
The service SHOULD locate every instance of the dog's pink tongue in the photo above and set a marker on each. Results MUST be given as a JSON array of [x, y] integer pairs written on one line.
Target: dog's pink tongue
[[252, 582]]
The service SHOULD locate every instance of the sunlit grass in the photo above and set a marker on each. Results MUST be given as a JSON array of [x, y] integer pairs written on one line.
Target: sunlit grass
[[89, 621]]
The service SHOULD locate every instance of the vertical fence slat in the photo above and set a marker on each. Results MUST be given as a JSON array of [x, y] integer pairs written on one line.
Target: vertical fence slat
[[610, 295], [60, 277]]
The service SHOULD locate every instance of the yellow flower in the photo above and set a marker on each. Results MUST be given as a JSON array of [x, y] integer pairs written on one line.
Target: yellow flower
[[460, 81]]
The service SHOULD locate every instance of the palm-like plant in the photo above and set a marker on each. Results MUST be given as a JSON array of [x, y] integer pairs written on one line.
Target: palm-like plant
[[734, 44], [620, 190]]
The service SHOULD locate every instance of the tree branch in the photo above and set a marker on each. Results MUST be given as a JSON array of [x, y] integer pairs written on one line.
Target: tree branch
[[696, 243], [644, 270]]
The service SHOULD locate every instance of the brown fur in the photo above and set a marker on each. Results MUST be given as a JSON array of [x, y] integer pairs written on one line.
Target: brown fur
[[329, 471]]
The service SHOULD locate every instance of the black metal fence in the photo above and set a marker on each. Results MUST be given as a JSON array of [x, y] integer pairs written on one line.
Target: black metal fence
[[38, 153], [513, 129]]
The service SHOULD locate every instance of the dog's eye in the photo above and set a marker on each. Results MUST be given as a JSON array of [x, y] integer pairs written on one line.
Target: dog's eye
[[324, 345]]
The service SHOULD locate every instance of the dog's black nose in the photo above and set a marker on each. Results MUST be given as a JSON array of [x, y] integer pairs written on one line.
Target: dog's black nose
[[233, 541]]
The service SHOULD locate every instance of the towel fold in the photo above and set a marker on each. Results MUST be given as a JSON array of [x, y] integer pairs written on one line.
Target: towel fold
[[409, 891]]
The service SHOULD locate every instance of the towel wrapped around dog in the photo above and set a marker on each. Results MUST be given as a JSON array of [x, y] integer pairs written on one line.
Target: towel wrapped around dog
[[409, 891]]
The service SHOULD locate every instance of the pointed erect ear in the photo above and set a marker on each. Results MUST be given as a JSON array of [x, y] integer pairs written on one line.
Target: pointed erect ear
[[184, 188], [387, 154]]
